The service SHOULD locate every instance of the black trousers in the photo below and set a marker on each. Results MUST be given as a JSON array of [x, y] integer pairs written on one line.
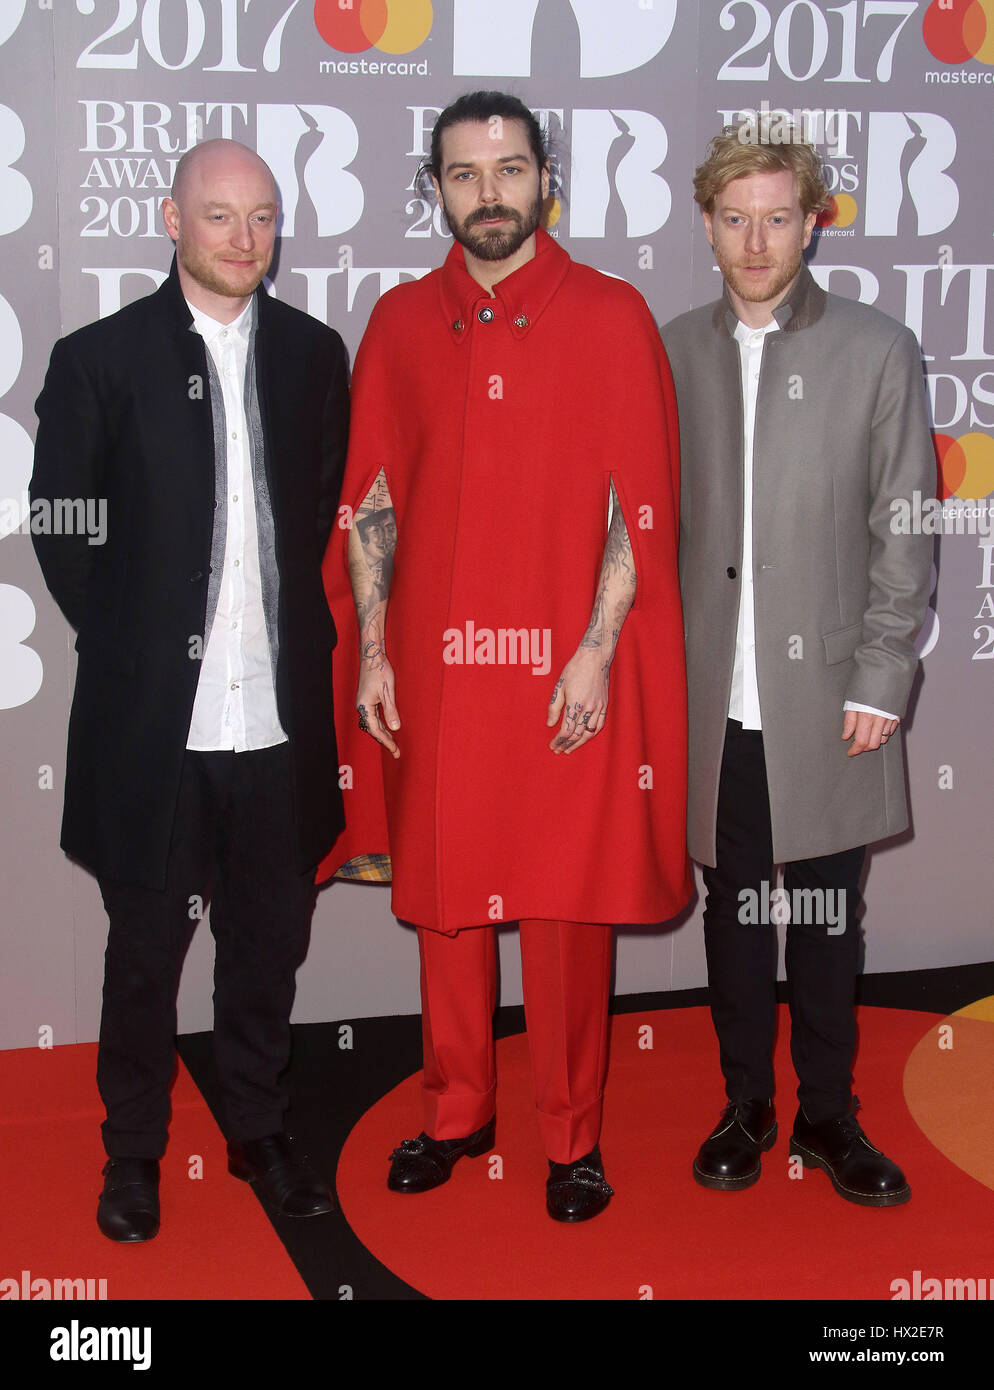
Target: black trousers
[[233, 845], [822, 945]]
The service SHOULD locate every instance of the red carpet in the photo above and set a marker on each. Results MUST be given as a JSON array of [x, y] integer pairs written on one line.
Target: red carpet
[[215, 1241], [947, 1083], [663, 1236]]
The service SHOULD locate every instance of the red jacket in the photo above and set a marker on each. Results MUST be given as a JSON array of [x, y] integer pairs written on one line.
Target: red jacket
[[499, 440]]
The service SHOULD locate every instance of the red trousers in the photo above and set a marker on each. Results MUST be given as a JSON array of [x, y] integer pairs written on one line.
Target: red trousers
[[565, 975]]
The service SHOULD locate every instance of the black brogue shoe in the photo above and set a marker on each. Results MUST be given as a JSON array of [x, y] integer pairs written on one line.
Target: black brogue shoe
[[577, 1191], [420, 1164]]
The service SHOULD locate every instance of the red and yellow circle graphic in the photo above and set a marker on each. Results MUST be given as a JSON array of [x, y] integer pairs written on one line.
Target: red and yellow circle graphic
[[392, 26], [841, 213], [965, 465], [957, 30]]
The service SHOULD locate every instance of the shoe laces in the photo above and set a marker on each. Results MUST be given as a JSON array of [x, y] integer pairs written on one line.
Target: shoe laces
[[583, 1175], [848, 1128], [410, 1147]]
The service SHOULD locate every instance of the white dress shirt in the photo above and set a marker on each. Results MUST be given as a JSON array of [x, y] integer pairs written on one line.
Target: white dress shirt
[[235, 704], [743, 703]]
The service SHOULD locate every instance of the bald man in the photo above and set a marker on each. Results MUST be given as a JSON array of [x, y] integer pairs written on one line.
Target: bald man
[[210, 421]]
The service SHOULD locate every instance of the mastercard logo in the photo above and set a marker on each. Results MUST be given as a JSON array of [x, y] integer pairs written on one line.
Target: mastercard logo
[[957, 30], [841, 213], [392, 26], [965, 465]]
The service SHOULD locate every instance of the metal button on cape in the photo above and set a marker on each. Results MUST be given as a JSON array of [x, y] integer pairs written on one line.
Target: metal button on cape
[[485, 315]]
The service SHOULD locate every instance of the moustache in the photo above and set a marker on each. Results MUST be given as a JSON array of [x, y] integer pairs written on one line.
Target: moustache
[[492, 213]]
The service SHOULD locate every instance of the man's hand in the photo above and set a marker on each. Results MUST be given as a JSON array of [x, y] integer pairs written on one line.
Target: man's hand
[[871, 730], [580, 697], [375, 702]]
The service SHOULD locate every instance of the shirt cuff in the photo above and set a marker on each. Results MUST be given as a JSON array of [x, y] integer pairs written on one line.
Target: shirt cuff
[[869, 709]]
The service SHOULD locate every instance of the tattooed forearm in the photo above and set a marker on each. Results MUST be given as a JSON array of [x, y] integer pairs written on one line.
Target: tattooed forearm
[[372, 542], [615, 588]]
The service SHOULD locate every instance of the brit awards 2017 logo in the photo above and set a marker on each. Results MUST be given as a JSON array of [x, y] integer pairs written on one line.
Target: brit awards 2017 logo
[[20, 666], [308, 147], [495, 40], [931, 190], [617, 150]]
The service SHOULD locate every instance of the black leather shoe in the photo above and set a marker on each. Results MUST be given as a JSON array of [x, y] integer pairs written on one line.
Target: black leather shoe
[[420, 1164], [857, 1170], [577, 1191], [282, 1177], [128, 1208], [728, 1160]]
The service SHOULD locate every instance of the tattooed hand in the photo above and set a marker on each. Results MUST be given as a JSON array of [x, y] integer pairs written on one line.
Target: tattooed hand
[[581, 691], [580, 697], [375, 702]]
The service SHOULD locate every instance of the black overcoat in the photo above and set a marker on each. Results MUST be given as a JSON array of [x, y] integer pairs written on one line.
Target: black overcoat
[[125, 415]]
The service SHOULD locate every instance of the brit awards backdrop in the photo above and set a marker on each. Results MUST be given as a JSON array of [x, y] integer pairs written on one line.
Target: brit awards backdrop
[[101, 97]]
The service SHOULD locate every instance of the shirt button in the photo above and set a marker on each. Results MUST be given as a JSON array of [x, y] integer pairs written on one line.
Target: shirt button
[[234, 685], [234, 434], [224, 333], [237, 563], [730, 571], [485, 315], [235, 498]]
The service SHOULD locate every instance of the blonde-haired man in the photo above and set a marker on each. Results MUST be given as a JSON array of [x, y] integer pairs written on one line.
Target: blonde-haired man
[[802, 417]]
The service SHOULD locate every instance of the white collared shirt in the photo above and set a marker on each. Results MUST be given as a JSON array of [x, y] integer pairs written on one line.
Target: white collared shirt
[[235, 704], [743, 702]]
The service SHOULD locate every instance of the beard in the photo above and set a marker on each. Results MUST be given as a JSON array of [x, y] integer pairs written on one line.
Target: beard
[[495, 243], [211, 274], [753, 291]]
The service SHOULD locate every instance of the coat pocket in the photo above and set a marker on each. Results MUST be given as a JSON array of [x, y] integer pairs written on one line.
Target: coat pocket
[[841, 645]]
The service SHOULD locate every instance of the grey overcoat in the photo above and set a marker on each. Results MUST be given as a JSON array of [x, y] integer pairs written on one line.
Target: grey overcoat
[[841, 431]]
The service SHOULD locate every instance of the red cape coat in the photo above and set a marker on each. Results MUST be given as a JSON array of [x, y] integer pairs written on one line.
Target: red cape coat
[[499, 440]]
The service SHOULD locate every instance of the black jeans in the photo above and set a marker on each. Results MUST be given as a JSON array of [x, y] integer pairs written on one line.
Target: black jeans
[[822, 945], [233, 844]]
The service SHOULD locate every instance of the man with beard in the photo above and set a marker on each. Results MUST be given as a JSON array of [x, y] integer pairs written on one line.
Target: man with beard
[[802, 419], [201, 761], [508, 388]]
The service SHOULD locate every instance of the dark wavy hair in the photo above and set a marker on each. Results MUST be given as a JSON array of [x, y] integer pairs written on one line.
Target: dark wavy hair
[[480, 106]]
